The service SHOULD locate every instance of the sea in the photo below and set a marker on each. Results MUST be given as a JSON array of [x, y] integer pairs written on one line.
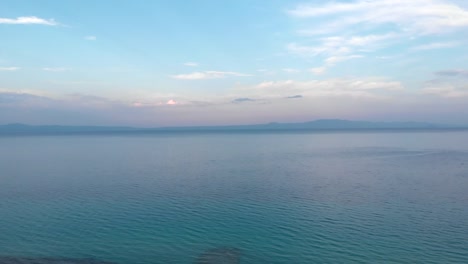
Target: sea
[[248, 196]]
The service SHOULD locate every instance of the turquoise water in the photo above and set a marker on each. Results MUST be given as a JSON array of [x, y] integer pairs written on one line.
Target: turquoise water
[[276, 197]]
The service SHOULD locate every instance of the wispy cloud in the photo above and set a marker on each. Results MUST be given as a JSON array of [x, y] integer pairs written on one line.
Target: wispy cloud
[[447, 90], [28, 20], [59, 69], [208, 75], [19, 99], [243, 100], [453, 73], [267, 72], [342, 30], [332, 61], [191, 64], [335, 59], [355, 84], [328, 87], [417, 16], [436, 45], [318, 70], [155, 102], [9, 68], [336, 49], [291, 70], [90, 38], [295, 96], [303, 50]]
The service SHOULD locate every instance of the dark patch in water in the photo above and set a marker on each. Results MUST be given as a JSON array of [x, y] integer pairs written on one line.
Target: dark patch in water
[[222, 255], [18, 260]]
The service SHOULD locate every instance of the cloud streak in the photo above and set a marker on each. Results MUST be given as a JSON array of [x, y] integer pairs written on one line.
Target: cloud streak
[[243, 100], [418, 16], [58, 69], [208, 75], [294, 96], [290, 70], [9, 68], [447, 90], [91, 38], [191, 64], [436, 45], [342, 30], [365, 87], [28, 20], [453, 73]]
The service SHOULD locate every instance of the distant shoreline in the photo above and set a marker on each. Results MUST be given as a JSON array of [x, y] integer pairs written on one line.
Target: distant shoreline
[[317, 126], [231, 131]]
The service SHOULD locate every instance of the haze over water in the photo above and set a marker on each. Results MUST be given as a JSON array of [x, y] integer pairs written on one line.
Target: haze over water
[[374, 197]]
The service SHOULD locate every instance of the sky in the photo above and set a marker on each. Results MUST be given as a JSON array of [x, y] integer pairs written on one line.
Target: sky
[[209, 62]]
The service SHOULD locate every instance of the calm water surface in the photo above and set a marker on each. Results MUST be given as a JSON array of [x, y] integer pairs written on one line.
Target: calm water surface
[[276, 197]]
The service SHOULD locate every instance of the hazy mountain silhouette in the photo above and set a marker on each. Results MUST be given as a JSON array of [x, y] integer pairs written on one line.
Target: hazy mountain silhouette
[[23, 128], [322, 124]]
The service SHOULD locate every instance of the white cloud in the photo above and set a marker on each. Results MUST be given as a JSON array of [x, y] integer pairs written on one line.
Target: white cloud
[[342, 83], [435, 45], [417, 16], [331, 61], [335, 59], [191, 64], [152, 102], [333, 8], [342, 30], [267, 72], [338, 49], [304, 50], [369, 39], [367, 87], [28, 20], [447, 90], [171, 102], [54, 69], [207, 75], [291, 70], [338, 45], [384, 57], [318, 70], [9, 68], [90, 38]]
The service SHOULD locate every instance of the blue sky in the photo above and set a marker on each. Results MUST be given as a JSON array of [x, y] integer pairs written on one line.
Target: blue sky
[[173, 63]]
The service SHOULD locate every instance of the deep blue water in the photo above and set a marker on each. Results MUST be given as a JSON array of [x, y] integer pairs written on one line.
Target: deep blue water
[[276, 197]]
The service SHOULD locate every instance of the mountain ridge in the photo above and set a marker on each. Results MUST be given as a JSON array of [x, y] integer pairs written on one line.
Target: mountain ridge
[[320, 124]]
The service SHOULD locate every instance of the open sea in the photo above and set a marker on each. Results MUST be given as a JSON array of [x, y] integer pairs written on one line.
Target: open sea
[[244, 197]]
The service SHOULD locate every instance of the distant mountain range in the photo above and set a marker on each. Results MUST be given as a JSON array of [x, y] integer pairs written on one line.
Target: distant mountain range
[[322, 124]]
